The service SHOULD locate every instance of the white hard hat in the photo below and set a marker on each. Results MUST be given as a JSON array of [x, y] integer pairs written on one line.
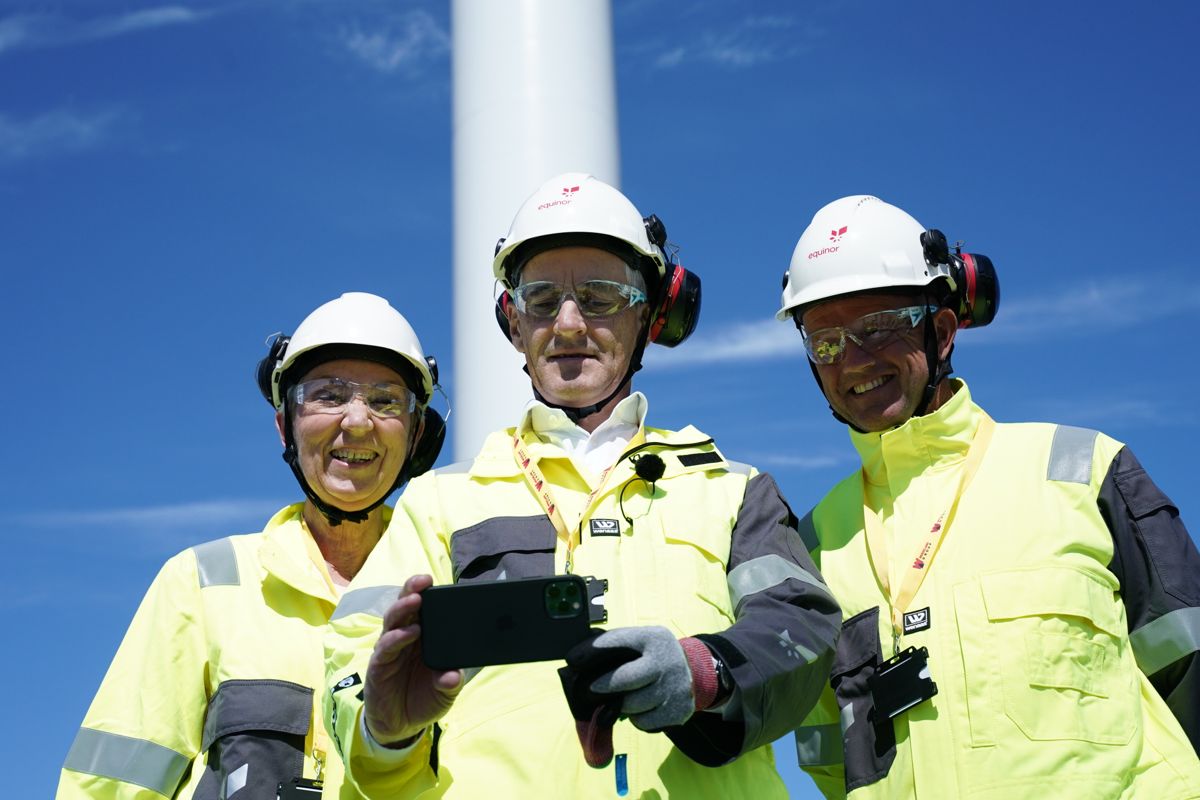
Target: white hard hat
[[355, 325], [857, 244], [573, 207]]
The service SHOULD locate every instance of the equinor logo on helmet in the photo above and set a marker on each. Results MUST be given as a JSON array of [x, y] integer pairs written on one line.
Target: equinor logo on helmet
[[568, 192], [824, 251]]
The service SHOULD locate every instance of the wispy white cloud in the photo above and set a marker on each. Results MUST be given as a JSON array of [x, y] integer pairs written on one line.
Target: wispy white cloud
[[751, 41], [1101, 411], [1075, 311], [1101, 305], [739, 341], [54, 132], [53, 30], [800, 461], [216, 515], [401, 43]]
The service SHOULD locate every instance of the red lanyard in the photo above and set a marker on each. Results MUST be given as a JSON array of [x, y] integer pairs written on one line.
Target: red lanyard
[[541, 490], [901, 594]]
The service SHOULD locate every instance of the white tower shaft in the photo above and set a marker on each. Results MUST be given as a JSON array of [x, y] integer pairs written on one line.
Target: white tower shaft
[[534, 95]]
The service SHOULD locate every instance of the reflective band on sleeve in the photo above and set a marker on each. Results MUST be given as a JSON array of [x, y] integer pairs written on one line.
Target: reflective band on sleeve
[[819, 745], [216, 563], [808, 532], [1167, 639], [738, 467], [373, 600], [123, 758], [1071, 455], [762, 573]]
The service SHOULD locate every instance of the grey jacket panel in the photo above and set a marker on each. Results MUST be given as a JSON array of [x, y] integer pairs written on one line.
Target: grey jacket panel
[[1158, 566], [779, 650], [504, 547]]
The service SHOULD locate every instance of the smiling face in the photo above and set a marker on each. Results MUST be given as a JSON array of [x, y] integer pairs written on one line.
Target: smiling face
[[880, 390], [575, 360], [351, 459]]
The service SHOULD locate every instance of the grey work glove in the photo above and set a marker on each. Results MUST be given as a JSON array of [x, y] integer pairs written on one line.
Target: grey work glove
[[665, 684]]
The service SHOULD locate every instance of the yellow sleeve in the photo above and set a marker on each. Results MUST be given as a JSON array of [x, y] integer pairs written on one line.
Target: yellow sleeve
[[353, 630], [144, 726]]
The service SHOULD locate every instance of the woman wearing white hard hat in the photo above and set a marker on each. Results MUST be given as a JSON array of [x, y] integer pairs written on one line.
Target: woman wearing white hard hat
[[214, 689]]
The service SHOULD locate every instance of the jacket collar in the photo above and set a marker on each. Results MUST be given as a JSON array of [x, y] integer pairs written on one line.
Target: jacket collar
[[495, 458], [932, 441], [288, 553]]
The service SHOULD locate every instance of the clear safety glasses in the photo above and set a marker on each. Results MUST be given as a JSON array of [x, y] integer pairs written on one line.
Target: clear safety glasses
[[594, 298], [871, 332], [334, 395]]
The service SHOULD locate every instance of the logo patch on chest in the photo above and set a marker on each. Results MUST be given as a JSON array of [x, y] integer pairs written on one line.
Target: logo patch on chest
[[604, 527], [916, 620]]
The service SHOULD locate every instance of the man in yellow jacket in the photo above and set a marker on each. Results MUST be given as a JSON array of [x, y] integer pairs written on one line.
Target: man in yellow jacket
[[1021, 604], [214, 692], [725, 626]]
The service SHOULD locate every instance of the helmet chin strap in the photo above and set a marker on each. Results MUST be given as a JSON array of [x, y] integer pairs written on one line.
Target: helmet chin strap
[[937, 370]]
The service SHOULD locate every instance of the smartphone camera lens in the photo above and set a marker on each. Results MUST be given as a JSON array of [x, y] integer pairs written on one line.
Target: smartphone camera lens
[[563, 600]]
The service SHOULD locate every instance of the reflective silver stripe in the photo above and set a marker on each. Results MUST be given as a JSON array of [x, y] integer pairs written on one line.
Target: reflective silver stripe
[[819, 745], [762, 573], [216, 563], [236, 781], [373, 600], [123, 758], [738, 467], [1071, 455], [1169, 638], [808, 532], [847, 717]]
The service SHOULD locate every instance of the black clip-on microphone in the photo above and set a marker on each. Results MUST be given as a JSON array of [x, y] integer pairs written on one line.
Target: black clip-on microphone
[[649, 467]]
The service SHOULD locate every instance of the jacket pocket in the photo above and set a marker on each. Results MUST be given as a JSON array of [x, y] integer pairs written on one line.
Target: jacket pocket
[[504, 548], [695, 562], [869, 744], [254, 732], [1057, 637]]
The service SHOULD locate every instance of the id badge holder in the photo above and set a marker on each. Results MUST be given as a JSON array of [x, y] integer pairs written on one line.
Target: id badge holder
[[902, 682], [299, 789]]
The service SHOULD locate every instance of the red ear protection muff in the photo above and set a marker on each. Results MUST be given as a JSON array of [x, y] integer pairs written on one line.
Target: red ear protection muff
[[981, 297], [976, 296], [501, 309], [679, 309]]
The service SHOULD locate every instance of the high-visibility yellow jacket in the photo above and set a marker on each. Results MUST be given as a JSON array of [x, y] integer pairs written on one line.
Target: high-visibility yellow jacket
[[713, 552], [1059, 548], [215, 688]]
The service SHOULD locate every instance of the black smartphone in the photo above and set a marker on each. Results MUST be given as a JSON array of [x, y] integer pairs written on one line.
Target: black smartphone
[[485, 623]]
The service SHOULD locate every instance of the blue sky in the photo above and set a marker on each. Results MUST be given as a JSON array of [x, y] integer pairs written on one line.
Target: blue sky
[[178, 181]]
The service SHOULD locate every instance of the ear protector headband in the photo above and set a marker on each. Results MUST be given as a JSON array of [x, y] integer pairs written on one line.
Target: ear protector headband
[[976, 295], [677, 298]]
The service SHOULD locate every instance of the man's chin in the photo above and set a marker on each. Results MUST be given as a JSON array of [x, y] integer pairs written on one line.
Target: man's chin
[[572, 394], [875, 421]]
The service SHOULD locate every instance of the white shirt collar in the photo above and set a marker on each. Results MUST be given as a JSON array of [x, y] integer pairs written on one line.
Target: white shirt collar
[[591, 453]]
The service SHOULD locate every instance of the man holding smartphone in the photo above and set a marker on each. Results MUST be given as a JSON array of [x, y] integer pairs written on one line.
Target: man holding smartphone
[[719, 629]]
